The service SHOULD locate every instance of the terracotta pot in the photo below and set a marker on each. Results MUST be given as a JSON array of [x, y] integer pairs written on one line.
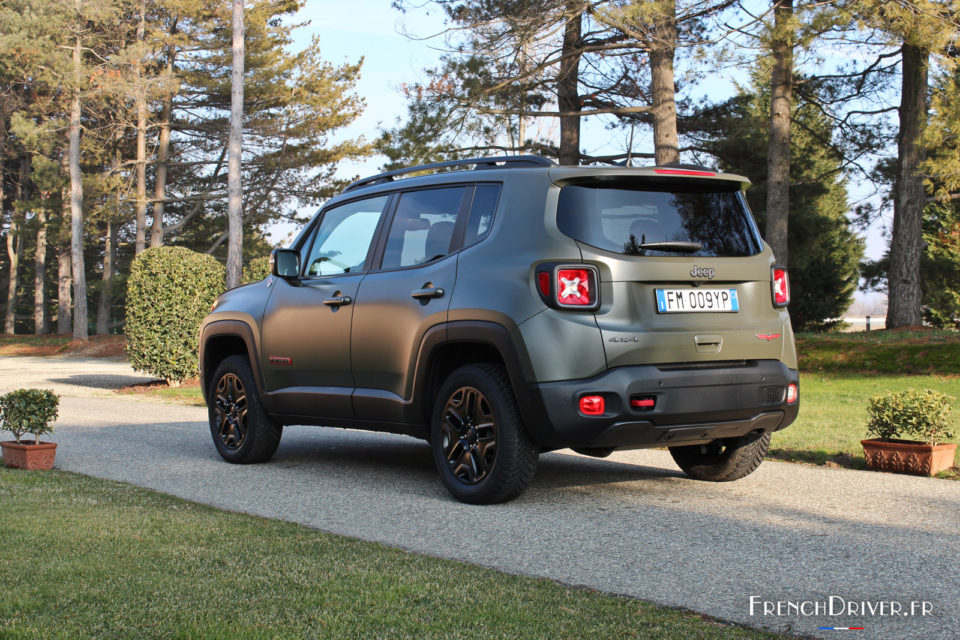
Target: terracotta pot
[[29, 456], [908, 456]]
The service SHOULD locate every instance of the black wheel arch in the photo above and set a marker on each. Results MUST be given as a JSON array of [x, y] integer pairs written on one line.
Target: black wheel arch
[[448, 346], [222, 339]]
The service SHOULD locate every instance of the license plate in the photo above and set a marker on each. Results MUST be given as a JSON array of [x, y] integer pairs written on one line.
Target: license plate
[[693, 300]]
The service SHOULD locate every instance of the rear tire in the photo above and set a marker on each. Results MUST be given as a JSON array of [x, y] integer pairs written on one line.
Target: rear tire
[[723, 460], [242, 431], [480, 447]]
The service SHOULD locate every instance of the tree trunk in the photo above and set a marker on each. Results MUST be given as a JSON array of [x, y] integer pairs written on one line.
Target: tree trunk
[[778, 147], [234, 188], [141, 103], [40, 324], [568, 84], [666, 142], [160, 184], [76, 201], [15, 248], [106, 291], [906, 245], [64, 261], [65, 290]]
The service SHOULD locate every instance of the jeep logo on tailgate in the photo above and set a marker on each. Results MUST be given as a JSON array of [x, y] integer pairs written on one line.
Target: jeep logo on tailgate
[[703, 272]]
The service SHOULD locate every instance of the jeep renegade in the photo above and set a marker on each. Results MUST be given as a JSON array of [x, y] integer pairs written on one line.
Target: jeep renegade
[[511, 306]]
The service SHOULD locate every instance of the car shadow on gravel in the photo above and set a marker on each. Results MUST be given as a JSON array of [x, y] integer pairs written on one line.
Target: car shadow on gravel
[[407, 457], [560, 470]]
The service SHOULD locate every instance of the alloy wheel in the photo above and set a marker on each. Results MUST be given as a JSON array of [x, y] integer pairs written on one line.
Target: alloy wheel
[[231, 411], [469, 435]]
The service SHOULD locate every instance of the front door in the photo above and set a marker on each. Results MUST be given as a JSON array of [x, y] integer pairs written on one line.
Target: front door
[[307, 322]]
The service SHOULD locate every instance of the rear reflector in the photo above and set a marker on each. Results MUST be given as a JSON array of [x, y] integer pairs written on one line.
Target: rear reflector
[[780, 285], [592, 405], [792, 393], [643, 402], [543, 281], [575, 288], [683, 172]]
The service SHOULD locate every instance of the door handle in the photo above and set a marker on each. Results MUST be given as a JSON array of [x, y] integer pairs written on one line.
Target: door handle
[[337, 301], [425, 294]]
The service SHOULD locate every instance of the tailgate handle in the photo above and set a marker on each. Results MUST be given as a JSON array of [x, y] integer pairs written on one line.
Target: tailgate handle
[[708, 344]]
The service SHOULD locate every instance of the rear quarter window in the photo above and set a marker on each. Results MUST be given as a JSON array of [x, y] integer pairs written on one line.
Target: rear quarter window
[[629, 219]]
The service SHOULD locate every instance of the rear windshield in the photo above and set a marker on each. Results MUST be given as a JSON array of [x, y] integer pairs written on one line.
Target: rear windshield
[[633, 220]]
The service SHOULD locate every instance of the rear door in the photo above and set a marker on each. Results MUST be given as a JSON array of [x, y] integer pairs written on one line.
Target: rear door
[[307, 323], [684, 274]]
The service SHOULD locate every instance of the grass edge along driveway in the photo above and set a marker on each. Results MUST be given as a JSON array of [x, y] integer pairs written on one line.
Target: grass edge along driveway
[[88, 558]]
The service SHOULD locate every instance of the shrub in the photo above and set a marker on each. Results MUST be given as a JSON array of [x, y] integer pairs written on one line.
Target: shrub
[[921, 414], [29, 411], [169, 291], [256, 270]]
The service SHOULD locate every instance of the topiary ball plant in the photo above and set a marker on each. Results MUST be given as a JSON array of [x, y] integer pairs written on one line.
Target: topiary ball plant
[[29, 411], [169, 291], [921, 415]]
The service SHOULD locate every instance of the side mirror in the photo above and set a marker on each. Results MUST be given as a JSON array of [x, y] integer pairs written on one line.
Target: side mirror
[[285, 263]]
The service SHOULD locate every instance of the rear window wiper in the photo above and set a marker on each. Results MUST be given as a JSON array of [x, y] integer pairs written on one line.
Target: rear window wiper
[[682, 247]]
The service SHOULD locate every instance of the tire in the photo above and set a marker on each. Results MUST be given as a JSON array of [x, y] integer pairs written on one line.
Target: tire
[[723, 460], [241, 430], [480, 447]]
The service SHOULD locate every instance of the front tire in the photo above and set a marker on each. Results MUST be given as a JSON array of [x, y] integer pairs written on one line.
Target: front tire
[[723, 460], [242, 431], [480, 447]]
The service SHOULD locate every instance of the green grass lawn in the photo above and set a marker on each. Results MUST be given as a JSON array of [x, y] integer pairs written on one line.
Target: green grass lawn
[[833, 415], [87, 558]]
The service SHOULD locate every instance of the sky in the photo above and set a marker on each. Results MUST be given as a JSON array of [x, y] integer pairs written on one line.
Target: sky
[[373, 30]]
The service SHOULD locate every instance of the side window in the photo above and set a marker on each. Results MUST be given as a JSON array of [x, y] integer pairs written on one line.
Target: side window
[[481, 212], [422, 229], [342, 239]]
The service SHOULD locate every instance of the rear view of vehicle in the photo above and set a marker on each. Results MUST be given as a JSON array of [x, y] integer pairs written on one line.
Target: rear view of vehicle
[[692, 315], [504, 307]]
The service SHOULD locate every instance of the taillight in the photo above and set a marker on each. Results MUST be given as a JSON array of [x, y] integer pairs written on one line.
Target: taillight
[[592, 405], [780, 286], [576, 288], [568, 286], [792, 393]]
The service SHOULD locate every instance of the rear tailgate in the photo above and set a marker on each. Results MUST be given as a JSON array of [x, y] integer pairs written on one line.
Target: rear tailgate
[[684, 274], [636, 331]]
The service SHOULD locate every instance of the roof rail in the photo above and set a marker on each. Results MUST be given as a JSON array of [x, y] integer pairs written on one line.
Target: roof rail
[[503, 162]]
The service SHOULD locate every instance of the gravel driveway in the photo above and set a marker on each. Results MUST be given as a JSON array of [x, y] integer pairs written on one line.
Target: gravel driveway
[[788, 538]]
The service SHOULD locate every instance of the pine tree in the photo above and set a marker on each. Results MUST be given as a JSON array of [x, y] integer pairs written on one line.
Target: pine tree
[[824, 251]]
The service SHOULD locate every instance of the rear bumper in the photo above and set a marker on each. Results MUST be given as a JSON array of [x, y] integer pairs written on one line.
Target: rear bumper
[[693, 404]]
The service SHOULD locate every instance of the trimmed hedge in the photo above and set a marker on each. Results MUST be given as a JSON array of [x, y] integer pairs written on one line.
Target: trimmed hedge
[[169, 292], [256, 270]]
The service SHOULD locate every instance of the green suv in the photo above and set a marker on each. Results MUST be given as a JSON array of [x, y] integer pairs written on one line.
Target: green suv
[[503, 307]]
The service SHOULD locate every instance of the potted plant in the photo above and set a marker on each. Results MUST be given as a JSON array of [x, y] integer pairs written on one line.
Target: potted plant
[[921, 416], [28, 411]]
